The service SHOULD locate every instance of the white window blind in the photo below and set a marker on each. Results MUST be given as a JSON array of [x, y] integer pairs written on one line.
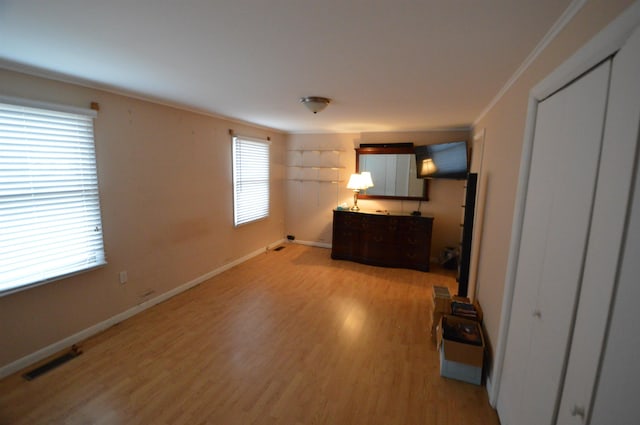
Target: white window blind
[[50, 222], [250, 180]]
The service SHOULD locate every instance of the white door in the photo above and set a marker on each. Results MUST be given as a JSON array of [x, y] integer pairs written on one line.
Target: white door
[[564, 164], [572, 346], [616, 397], [612, 269]]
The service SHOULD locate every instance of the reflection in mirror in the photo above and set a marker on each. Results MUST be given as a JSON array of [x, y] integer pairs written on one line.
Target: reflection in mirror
[[393, 170], [393, 175]]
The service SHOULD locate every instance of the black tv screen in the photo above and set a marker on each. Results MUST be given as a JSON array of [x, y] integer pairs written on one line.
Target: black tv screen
[[442, 161]]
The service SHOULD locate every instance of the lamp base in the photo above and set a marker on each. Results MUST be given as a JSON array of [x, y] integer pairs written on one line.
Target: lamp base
[[355, 201]]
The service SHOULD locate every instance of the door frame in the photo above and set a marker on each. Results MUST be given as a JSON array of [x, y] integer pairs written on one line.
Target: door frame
[[604, 44]]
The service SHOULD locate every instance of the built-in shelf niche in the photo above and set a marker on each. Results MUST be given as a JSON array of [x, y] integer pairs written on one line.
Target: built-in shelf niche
[[320, 165]]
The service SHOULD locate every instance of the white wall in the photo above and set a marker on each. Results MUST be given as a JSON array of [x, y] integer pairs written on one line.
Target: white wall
[[166, 197], [503, 128], [310, 205]]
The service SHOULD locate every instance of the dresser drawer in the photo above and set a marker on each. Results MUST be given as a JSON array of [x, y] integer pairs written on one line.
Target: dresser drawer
[[391, 240]]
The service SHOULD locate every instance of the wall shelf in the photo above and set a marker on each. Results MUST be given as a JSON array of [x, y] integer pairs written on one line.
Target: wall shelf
[[317, 150], [320, 165], [313, 167], [317, 181]]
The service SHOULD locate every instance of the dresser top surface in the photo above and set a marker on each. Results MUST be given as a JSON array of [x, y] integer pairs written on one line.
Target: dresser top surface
[[383, 212]]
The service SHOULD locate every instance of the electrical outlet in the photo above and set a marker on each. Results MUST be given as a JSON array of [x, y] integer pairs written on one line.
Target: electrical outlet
[[123, 277]]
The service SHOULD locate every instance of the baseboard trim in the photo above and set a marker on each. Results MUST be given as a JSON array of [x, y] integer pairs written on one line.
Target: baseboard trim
[[489, 387], [58, 346], [312, 243]]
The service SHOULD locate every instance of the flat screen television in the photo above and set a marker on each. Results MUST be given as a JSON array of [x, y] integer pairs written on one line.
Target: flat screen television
[[442, 161]]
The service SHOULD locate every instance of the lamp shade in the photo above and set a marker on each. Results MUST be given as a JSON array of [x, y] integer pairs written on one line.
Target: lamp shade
[[355, 182], [428, 167], [367, 181]]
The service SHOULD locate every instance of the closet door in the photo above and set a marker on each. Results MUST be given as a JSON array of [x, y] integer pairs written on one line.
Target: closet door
[[616, 398], [564, 164], [611, 269]]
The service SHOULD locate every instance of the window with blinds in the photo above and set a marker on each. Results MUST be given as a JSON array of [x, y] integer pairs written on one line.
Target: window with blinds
[[250, 180], [50, 225]]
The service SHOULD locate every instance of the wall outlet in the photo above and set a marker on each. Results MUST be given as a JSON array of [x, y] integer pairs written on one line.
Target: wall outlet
[[291, 237], [123, 277]]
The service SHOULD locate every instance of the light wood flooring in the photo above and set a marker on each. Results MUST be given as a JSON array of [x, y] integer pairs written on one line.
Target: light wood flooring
[[289, 337]]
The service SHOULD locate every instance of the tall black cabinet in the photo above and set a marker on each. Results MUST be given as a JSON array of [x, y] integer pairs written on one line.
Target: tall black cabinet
[[467, 232]]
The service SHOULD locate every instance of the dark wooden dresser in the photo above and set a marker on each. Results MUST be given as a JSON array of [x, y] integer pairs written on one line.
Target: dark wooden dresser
[[381, 239]]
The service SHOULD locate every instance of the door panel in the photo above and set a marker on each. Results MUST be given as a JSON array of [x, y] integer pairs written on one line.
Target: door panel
[[618, 381], [565, 156]]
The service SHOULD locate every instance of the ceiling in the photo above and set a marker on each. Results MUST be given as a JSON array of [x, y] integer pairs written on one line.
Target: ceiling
[[388, 65]]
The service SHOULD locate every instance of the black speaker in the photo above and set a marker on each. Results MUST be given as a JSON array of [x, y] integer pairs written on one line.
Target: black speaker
[[467, 233]]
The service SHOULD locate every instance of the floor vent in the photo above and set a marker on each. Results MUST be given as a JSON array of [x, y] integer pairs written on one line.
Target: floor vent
[[52, 364], [280, 248]]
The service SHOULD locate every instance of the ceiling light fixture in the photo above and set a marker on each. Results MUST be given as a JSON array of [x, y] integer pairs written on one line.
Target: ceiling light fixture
[[315, 103]]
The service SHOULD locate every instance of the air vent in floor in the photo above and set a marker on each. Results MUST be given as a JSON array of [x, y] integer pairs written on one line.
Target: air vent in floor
[[52, 364]]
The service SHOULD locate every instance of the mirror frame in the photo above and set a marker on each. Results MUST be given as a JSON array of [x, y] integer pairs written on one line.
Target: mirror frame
[[400, 148]]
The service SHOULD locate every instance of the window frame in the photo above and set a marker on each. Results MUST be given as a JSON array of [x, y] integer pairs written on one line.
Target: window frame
[[13, 135], [242, 174]]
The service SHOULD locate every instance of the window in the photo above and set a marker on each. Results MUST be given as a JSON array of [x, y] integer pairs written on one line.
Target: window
[[50, 223], [250, 180]]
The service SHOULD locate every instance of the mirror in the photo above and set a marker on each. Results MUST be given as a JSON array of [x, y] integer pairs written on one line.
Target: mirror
[[393, 170]]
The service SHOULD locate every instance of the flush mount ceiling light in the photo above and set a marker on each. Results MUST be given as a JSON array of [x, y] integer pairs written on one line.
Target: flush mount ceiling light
[[315, 103]]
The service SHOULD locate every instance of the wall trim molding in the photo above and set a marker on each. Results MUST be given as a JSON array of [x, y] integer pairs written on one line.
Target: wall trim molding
[[313, 243], [566, 17], [67, 342]]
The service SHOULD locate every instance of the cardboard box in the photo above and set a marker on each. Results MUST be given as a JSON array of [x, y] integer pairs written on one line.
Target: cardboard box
[[441, 300], [459, 371], [475, 307], [460, 299], [460, 360], [441, 306], [437, 316]]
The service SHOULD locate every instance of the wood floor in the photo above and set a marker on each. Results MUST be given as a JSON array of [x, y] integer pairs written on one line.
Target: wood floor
[[289, 337]]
